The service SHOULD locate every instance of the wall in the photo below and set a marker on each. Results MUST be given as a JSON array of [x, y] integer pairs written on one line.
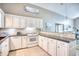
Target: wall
[[50, 22], [76, 24], [13, 31]]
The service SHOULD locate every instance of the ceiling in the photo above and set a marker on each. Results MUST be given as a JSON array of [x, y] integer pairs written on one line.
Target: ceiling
[[19, 9], [71, 10]]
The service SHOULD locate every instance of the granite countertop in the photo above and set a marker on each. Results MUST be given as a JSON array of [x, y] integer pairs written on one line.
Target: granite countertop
[[2, 39], [64, 39]]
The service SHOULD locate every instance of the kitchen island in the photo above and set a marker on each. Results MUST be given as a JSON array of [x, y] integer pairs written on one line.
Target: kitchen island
[[66, 37], [56, 44]]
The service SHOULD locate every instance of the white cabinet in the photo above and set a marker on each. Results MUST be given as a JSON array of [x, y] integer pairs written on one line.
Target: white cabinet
[[52, 46], [62, 48], [40, 23], [45, 44], [24, 41], [1, 19], [30, 22], [16, 20], [8, 21], [56, 47], [40, 41], [22, 22], [5, 47], [15, 42], [34, 22]]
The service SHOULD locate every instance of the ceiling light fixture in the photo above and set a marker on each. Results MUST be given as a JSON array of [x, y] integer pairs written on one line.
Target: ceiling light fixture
[[31, 10]]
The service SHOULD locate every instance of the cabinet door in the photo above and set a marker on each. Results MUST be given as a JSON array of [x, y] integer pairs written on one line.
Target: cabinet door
[[24, 41], [8, 21], [52, 47], [62, 48], [16, 20], [22, 23], [35, 22], [15, 43], [1, 19], [5, 47], [41, 24], [29, 22], [45, 43], [40, 41]]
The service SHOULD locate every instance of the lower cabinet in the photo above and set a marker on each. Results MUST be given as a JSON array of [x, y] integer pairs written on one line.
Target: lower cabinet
[[23, 41], [40, 41], [57, 48], [62, 48], [4, 47], [52, 47], [15, 42], [45, 43]]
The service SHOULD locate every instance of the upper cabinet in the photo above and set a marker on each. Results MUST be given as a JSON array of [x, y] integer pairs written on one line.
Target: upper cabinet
[[1, 19], [14, 21], [22, 22], [8, 21], [35, 22]]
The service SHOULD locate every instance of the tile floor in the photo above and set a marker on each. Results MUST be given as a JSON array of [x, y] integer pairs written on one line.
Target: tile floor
[[34, 51]]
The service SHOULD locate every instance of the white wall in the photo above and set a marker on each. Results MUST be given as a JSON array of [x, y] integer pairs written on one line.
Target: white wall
[[76, 23], [58, 19]]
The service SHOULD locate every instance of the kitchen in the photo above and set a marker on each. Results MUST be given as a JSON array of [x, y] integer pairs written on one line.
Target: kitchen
[[28, 29]]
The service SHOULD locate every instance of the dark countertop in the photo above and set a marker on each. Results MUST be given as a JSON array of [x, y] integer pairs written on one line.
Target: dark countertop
[[3, 39], [16, 35], [57, 37], [45, 35]]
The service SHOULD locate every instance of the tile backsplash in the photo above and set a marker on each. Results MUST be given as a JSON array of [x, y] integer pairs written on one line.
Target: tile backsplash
[[13, 31]]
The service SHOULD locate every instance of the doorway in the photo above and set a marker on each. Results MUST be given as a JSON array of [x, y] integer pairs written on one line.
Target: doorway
[[59, 27]]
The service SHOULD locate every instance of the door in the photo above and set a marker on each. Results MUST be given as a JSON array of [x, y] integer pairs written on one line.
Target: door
[[59, 27], [62, 48], [8, 21], [29, 22], [22, 23], [36, 22], [45, 43], [40, 41], [24, 41], [52, 47], [16, 20], [41, 24], [15, 43]]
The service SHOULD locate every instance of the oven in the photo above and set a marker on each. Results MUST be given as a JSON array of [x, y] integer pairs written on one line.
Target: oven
[[32, 39]]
